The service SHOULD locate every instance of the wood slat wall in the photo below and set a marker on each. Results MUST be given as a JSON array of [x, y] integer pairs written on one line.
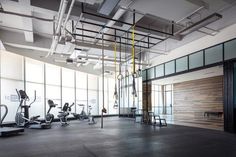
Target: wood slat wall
[[193, 98]]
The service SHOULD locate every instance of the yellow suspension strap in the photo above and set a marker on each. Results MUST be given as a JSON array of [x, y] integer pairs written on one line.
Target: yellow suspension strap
[[115, 92], [133, 59]]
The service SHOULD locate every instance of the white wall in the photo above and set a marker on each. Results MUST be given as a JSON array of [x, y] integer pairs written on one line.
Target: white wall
[[204, 42]]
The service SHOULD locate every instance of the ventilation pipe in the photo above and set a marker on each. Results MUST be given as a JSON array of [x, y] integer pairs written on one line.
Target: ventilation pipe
[[61, 13]]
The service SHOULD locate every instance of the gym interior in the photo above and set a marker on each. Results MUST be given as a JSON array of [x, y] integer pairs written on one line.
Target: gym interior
[[116, 78]]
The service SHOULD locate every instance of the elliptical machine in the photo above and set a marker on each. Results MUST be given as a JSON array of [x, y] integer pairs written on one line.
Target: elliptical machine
[[22, 118]]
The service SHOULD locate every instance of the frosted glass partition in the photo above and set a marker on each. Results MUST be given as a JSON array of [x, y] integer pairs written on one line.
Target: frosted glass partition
[[230, 49], [34, 71], [159, 70], [214, 54], [170, 68], [12, 66], [196, 60], [182, 64], [53, 74], [151, 73]]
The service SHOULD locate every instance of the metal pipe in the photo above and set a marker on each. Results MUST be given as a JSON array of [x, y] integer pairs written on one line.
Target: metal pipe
[[68, 14], [103, 92], [190, 14], [27, 16], [63, 9], [56, 38]]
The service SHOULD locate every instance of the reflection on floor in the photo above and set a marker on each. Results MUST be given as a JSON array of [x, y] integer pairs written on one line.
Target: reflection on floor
[[212, 122], [121, 137]]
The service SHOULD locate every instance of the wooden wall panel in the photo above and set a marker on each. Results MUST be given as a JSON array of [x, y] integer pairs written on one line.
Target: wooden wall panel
[[193, 98]]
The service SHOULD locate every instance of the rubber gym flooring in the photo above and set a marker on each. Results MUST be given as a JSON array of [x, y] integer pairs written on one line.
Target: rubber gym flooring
[[119, 138]]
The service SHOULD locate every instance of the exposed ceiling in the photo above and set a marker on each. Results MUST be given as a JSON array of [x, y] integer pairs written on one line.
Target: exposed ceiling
[[33, 37]]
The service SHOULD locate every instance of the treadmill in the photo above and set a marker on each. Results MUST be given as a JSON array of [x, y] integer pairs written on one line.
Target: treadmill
[[7, 131]]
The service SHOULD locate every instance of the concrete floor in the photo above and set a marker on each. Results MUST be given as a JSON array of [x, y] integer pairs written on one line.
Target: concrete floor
[[119, 138]]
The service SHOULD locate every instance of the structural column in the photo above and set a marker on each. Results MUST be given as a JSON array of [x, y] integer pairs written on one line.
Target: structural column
[[229, 97]]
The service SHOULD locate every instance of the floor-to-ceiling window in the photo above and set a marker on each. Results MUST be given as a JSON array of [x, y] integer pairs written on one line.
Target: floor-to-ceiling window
[[12, 78], [93, 94], [68, 90], [81, 92], [162, 99], [34, 76], [53, 86], [59, 84]]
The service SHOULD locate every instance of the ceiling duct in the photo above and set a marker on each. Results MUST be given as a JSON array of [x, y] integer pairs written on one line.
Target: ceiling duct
[[202, 23], [108, 6]]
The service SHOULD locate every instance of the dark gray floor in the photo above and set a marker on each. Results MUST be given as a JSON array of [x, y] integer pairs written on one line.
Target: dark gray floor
[[119, 138]]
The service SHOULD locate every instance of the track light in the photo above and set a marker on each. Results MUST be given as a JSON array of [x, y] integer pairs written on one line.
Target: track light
[[204, 22]]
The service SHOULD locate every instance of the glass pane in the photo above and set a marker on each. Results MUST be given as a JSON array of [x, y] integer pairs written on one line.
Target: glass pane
[[101, 83], [196, 60], [101, 101], [159, 70], [34, 70], [182, 64], [230, 49], [37, 108], [144, 73], [168, 102], [53, 93], [170, 68], [9, 97], [12, 66], [92, 82], [68, 78], [53, 75], [81, 80], [214, 54], [93, 101], [81, 98], [111, 89], [68, 96], [150, 73]]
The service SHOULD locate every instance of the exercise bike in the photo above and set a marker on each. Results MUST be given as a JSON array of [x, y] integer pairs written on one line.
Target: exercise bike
[[50, 117], [22, 118], [82, 115], [64, 113]]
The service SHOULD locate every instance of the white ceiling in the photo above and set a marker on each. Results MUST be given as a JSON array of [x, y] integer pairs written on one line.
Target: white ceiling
[[167, 9]]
